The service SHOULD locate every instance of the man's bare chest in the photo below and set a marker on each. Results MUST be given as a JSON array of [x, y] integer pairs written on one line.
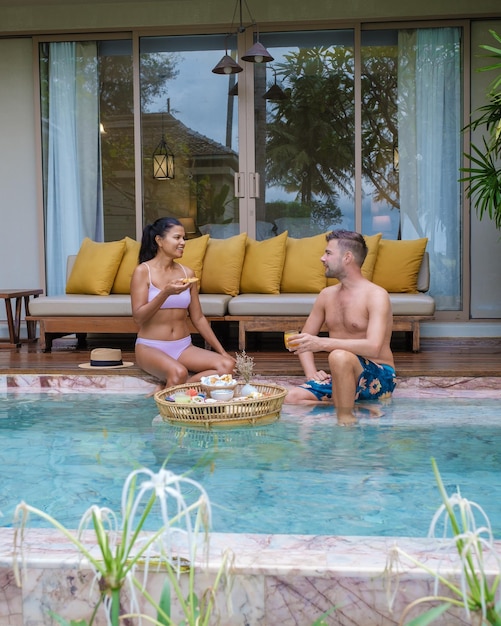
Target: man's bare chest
[[349, 317]]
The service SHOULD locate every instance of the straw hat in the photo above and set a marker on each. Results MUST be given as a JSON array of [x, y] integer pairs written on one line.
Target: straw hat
[[106, 358]]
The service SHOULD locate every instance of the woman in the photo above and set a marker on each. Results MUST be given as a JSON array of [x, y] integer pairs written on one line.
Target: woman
[[162, 297]]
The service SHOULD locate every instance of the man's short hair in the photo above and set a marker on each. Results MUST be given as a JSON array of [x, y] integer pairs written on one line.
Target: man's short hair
[[352, 241]]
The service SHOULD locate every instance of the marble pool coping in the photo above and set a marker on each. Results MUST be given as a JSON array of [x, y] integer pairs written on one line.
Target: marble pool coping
[[412, 387], [277, 579]]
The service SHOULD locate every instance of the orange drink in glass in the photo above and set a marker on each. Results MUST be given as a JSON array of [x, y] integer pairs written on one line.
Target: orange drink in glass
[[287, 334]]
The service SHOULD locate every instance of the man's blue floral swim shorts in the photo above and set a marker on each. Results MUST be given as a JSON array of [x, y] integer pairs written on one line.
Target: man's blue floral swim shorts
[[375, 382]]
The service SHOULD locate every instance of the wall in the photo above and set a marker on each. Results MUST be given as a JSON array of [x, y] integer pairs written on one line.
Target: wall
[[54, 15], [20, 242], [485, 239], [21, 227]]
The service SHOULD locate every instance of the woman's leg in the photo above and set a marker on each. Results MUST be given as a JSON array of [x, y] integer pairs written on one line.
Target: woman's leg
[[162, 366], [205, 362]]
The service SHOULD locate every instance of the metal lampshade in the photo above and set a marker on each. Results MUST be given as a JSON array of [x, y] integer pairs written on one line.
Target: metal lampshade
[[227, 65], [275, 93], [257, 54]]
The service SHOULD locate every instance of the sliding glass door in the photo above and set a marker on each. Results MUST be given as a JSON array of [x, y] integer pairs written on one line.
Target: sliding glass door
[[189, 124], [305, 122]]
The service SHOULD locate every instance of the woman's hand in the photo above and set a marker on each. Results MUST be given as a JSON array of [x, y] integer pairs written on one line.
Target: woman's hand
[[176, 287]]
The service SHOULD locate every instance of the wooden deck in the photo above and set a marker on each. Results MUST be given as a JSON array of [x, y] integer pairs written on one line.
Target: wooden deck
[[438, 357]]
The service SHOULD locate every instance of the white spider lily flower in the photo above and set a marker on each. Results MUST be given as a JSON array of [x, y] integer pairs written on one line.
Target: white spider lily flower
[[167, 488], [122, 545]]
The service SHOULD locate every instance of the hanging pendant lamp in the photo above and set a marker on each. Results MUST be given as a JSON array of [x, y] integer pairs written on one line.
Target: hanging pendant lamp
[[255, 54], [163, 158]]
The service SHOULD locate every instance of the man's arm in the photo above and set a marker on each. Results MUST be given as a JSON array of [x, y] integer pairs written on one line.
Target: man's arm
[[379, 312], [312, 326]]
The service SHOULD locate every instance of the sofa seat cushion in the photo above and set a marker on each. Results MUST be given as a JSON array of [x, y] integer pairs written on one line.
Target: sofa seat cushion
[[83, 305], [214, 304], [292, 304], [412, 304], [272, 304]]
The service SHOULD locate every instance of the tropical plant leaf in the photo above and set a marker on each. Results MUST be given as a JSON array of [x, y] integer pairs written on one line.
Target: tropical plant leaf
[[430, 616], [63, 622], [320, 621], [164, 605]]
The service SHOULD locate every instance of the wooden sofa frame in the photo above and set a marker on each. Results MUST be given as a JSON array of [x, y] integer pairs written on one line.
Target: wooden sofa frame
[[58, 326]]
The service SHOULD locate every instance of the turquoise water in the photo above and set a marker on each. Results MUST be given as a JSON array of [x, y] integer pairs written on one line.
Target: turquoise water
[[303, 474]]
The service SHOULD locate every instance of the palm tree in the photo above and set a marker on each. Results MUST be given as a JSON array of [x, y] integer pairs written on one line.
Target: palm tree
[[484, 173], [310, 142]]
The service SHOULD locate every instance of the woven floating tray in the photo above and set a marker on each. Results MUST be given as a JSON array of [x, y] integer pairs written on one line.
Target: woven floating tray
[[249, 412]]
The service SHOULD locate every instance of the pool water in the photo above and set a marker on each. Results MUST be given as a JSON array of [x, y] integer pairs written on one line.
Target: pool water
[[303, 474]]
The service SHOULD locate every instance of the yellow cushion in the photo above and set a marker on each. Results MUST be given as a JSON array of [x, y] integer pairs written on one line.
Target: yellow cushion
[[263, 265], [95, 267], [372, 242], [129, 263], [397, 264], [303, 272], [223, 265], [194, 253]]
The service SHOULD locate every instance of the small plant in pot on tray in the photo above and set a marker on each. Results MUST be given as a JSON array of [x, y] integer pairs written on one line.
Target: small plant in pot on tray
[[244, 368]]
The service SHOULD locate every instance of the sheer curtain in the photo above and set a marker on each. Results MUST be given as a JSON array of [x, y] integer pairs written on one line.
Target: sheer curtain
[[429, 142], [73, 187]]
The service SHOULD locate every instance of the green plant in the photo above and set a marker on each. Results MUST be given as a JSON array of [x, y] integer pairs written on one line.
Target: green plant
[[124, 548], [484, 175], [473, 544]]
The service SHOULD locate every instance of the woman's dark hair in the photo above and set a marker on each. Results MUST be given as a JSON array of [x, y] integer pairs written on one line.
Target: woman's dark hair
[[352, 241], [149, 246]]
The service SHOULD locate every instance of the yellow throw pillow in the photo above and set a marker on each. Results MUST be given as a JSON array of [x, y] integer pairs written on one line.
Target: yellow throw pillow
[[129, 263], [194, 254], [223, 265], [263, 265], [303, 272], [372, 242], [397, 264], [95, 267]]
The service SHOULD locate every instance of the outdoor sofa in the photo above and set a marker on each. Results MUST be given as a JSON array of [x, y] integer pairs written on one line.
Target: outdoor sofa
[[262, 286]]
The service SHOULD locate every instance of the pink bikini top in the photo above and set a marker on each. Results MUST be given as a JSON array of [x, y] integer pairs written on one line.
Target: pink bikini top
[[175, 301]]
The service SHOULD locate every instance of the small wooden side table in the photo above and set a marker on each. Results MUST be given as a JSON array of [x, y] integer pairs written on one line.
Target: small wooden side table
[[14, 319]]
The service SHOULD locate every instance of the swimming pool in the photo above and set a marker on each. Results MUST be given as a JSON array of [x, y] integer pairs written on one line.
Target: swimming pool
[[301, 475]]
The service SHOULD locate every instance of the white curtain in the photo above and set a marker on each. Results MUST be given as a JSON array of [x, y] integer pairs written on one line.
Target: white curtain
[[73, 202], [429, 142]]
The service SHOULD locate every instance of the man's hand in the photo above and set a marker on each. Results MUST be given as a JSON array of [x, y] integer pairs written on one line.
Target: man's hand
[[321, 376], [304, 342]]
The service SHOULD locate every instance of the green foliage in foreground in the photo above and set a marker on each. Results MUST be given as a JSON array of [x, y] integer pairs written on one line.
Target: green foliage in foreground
[[124, 550], [474, 545]]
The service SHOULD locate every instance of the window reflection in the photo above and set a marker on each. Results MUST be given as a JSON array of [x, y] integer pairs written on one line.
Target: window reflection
[[197, 117]]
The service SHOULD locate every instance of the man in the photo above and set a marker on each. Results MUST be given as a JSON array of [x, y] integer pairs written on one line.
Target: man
[[358, 317]]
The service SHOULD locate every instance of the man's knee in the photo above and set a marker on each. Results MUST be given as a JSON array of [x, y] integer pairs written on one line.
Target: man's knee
[[340, 359]]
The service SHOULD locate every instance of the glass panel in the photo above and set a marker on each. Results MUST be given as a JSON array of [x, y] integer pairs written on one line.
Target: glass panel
[[88, 175], [117, 139], [380, 182], [304, 112], [192, 111]]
